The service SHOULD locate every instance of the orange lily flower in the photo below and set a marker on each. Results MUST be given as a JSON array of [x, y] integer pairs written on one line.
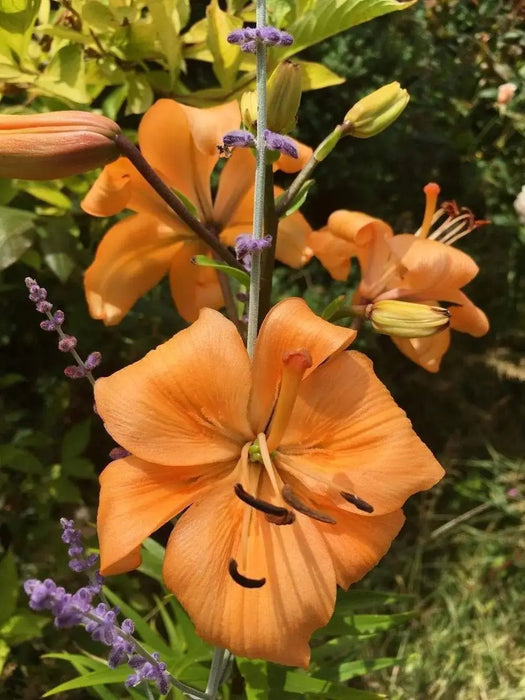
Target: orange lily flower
[[180, 143], [421, 267], [291, 471]]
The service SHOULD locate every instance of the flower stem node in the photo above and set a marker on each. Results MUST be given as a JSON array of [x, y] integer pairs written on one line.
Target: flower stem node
[[55, 144], [284, 97], [405, 319], [375, 112]]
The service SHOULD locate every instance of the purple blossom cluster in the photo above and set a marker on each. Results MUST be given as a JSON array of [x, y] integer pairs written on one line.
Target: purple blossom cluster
[[249, 38], [100, 621], [246, 245], [240, 138], [66, 343]]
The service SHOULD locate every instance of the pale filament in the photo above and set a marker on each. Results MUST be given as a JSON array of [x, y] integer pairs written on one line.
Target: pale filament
[[275, 480], [246, 477], [329, 483]]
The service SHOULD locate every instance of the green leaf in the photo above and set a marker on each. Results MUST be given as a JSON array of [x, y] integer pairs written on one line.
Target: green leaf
[[117, 675], [79, 468], [13, 457], [315, 76], [98, 16], [174, 637], [239, 275], [365, 624], [75, 440], [297, 682], [114, 101], [152, 559], [333, 307], [64, 77], [57, 249], [351, 601], [47, 193], [16, 22], [140, 94], [226, 57], [298, 201], [329, 17], [255, 674], [4, 653], [23, 626], [9, 586], [16, 234], [167, 24]]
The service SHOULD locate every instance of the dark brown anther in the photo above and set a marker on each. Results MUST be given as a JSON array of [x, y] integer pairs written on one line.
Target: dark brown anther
[[295, 502], [244, 581], [357, 502], [264, 506], [287, 519]]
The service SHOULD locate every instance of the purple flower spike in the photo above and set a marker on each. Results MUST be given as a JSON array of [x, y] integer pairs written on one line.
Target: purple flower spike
[[238, 139], [270, 36], [67, 344], [236, 37], [48, 325], [248, 38], [75, 372], [93, 360], [246, 245], [278, 142]]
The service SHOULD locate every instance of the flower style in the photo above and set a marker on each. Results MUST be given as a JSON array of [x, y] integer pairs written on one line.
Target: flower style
[[422, 267], [180, 143], [291, 471]]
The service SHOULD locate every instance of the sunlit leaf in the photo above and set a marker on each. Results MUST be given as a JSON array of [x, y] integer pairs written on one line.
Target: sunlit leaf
[[239, 275], [226, 57], [298, 682], [255, 674], [22, 626], [315, 76], [16, 234], [140, 94]]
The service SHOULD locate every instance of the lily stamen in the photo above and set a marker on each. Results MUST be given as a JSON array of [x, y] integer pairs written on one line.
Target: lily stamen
[[244, 581], [295, 362], [357, 502], [295, 502], [259, 504], [431, 193]]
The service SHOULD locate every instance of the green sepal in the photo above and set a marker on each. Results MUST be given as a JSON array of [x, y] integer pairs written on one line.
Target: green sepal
[[298, 201]]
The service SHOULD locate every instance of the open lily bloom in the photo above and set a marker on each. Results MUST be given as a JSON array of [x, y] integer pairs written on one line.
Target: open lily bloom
[[422, 267], [291, 471], [180, 143]]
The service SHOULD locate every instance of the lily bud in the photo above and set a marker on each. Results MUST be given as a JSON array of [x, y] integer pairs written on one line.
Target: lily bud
[[376, 111], [406, 319], [55, 144], [249, 109], [284, 97]]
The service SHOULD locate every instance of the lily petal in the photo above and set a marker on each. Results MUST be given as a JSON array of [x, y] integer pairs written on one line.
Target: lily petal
[[193, 287], [232, 205], [346, 433], [136, 498], [467, 318], [180, 142], [426, 352], [290, 325], [273, 622], [133, 257], [184, 403], [334, 253]]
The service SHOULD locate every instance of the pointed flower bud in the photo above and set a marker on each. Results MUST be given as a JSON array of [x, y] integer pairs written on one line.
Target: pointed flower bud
[[249, 109], [376, 111], [405, 319], [284, 97], [55, 144]]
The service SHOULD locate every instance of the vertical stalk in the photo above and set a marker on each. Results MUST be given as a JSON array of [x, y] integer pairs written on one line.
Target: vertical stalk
[[260, 176], [271, 221], [220, 658]]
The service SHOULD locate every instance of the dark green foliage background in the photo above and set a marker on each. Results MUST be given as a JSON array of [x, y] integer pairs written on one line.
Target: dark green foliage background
[[451, 56]]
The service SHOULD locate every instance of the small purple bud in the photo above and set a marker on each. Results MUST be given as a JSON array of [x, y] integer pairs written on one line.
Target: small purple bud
[[30, 282], [249, 47], [235, 37], [58, 317], [278, 142], [67, 344], [43, 307], [286, 39], [127, 626], [48, 325], [75, 372], [93, 360], [118, 453], [269, 35], [238, 139]]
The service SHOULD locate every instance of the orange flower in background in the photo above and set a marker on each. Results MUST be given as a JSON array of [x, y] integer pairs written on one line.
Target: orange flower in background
[[421, 267], [180, 143], [291, 471]]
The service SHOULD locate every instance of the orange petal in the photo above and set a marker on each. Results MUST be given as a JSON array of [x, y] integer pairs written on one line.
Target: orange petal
[[426, 352], [273, 622], [290, 325], [133, 257], [120, 186], [333, 252], [180, 142], [467, 318], [193, 287], [184, 403], [136, 498], [292, 241], [356, 544], [233, 204], [346, 433], [291, 165], [432, 267]]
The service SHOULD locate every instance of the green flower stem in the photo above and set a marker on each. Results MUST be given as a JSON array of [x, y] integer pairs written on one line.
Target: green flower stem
[[221, 658], [260, 177], [141, 164], [323, 149], [271, 222]]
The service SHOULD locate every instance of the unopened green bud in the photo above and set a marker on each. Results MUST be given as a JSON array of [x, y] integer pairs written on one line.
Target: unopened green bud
[[406, 319], [376, 111], [249, 109], [55, 144], [284, 97]]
